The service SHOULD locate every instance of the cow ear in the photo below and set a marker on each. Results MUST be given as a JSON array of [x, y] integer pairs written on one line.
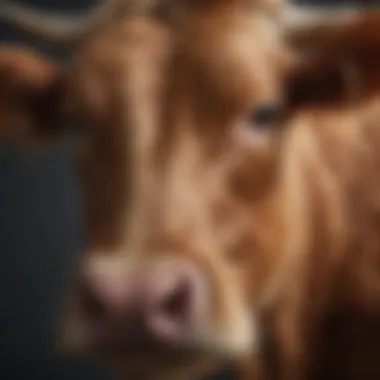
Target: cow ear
[[31, 94], [339, 64], [318, 83]]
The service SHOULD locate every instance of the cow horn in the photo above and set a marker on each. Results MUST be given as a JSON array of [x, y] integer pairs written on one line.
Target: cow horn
[[308, 27], [296, 17], [53, 27], [71, 29]]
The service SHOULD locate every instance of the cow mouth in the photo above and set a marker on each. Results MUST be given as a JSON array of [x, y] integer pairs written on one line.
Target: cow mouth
[[141, 358], [109, 339]]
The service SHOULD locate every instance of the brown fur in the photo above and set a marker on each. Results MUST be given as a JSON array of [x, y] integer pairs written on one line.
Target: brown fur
[[284, 221]]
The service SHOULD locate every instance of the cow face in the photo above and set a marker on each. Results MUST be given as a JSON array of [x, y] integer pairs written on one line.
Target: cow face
[[190, 182], [181, 180]]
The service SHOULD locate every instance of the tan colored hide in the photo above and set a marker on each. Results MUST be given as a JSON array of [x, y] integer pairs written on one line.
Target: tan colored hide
[[220, 156]]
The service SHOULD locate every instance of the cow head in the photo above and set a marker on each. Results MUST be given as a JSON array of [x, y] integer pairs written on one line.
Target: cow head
[[191, 181], [182, 168]]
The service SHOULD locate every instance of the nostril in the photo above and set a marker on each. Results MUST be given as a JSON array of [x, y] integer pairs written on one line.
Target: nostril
[[171, 314], [176, 304]]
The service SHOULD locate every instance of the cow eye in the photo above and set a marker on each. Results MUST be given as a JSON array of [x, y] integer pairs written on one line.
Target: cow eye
[[265, 115]]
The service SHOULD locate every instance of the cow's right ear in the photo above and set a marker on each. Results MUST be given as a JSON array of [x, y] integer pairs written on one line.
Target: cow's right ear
[[319, 83], [32, 89], [338, 64]]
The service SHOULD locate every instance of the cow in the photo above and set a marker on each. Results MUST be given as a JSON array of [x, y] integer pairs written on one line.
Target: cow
[[231, 194]]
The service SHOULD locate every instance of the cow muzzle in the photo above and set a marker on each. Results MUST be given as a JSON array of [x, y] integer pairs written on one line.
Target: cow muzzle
[[157, 308]]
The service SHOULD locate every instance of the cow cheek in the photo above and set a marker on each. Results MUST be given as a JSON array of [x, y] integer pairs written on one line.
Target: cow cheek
[[256, 254], [254, 266], [253, 173]]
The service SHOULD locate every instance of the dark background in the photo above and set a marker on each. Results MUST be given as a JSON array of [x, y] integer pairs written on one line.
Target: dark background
[[40, 236]]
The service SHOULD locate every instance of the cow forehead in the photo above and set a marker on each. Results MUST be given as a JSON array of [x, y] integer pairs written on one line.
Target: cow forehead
[[208, 71], [235, 52], [227, 58]]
